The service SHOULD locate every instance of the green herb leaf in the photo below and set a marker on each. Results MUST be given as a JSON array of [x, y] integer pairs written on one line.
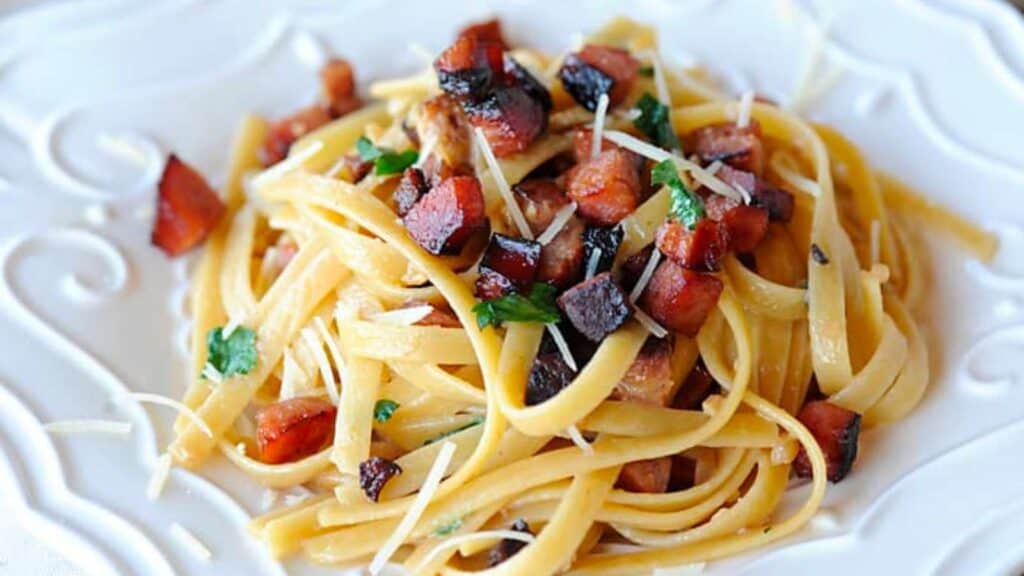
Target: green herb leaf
[[386, 161], [476, 421], [654, 121], [686, 207], [449, 528], [234, 355], [646, 71], [538, 306], [384, 409]]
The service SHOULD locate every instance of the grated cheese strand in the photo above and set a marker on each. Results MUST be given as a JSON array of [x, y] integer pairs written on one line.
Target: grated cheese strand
[[561, 218], [419, 505], [645, 276], [599, 116], [403, 316], [577, 438], [290, 371], [158, 479], [161, 400], [592, 262], [563, 346], [112, 427], [211, 373], [746, 103], [503, 187], [649, 323], [287, 165], [326, 373], [685, 570], [332, 347], [460, 539], [189, 540], [714, 167]]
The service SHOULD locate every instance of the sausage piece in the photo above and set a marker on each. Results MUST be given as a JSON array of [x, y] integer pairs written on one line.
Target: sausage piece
[[187, 208], [680, 299], [294, 429], [447, 216]]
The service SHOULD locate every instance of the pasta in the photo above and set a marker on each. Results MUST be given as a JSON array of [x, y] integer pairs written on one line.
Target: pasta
[[348, 342]]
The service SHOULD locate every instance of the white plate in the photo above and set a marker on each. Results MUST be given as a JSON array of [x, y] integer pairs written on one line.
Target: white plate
[[931, 91]]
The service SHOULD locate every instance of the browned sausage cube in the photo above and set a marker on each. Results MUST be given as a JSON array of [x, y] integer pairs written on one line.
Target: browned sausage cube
[[514, 258], [740, 148], [745, 226], [680, 299], [596, 307], [836, 429], [448, 216], [606, 188], [699, 249], [597, 70], [187, 208], [648, 476], [649, 378], [293, 429]]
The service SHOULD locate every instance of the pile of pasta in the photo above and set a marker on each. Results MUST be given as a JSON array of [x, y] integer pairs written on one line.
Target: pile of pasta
[[473, 457]]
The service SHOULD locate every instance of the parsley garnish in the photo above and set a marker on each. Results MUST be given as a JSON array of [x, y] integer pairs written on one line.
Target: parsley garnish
[[384, 409], [385, 160], [654, 121], [449, 528], [686, 207], [234, 355], [476, 421], [538, 306], [646, 71]]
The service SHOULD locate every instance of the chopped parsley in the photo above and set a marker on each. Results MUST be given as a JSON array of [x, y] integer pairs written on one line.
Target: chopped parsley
[[538, 306], [235, 354], [476, 421], [686, 207], [646, 71], [655, 122], [449, 528], [384, 409], [385, 160]]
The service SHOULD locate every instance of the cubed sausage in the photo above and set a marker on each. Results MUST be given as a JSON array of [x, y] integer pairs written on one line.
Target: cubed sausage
[[605, 243], [549, 374], [470, 68], [596, 307], [510, 118], [605, 188], [442, 122], [837, 430], [187, 208], [649, 378], [561, 259], [338, 84], [411, 188], [745, 226], [738, 147], [448, 216], [597, 70], [486, 31], [283, 133], [680, 299], [514, 258], [647, 476], [294, 429], [699, 249]]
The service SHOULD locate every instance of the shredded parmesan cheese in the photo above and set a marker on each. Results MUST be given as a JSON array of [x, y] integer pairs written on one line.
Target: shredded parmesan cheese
[[403, 316], [112, 427], [189, 541], [158, 479], [290, 374], [599, 116], [592, 262], [714, 167], [743, 116], [563, 346], [645, 276], [649, 323], [876, 239], [326, 372], [460, 539], [684, 570], [230, 327], [561, 218], [419, 505], [285, 166], [161, 400], [660, 83], [332, 346], [211, 373], [577, 438], [502, 183]]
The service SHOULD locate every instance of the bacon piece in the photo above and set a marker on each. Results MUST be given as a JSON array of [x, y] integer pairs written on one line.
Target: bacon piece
[[517, 75], [486, 31], [561, 259], [514, 258], [836, 429], [699, 249], [443, 122], [510, 117], [338, 84], [647, 476], [607, 240], [374, 473], [411, 188], [606, 187], [490, 285], [740, 148], [735, 178], [649, 378], [549, 374], [294, 429], [539, 200], [470, 68], [745, 226], [596, 307], [697, 386], [776, 201], [440, 315], [583, 141], [283, 133], [187, 208], [448, 216], [508, 547], [680, 299], [597, 70], [633, 267]]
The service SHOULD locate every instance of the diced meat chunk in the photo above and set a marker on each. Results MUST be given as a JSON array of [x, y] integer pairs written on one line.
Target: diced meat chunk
[[633, 267], [539, 200], [699, 249], [490, 285], [606, 188], [411, 188], [354, 168], [776, 201], [440, 315], [596, 307], [294, 429], [510, 118], [187, 208], [374, 473], [514, 258], [597, 70], [561, 259], [338, 83], [583, 142], [469, 68], [486, 31], [837, 430], [443, 123], [549, 374], [517, 75], [448, 216], [508, 547], [736, 178], [740, 148], [604, 242], [697, 386], [680, 299], [649, 378], [283, 133], [745, 226], [647, 476]]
